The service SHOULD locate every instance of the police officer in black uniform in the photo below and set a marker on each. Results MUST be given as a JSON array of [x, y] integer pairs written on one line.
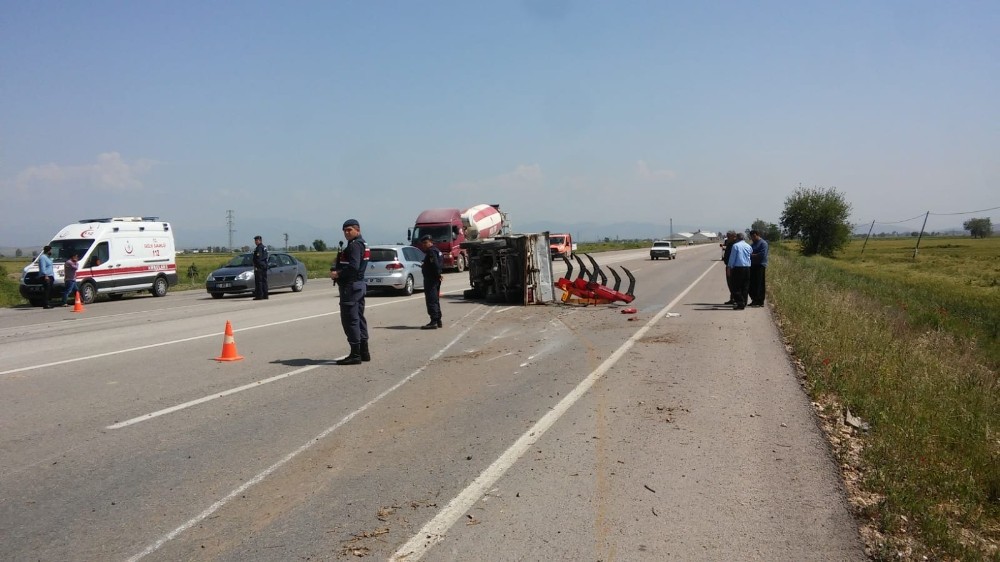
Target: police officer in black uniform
[[259, 269], [431, 268], [349, 274], [727, 246]]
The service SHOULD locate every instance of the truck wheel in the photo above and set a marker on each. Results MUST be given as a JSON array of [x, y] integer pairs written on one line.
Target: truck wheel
[[88, 293], [159, 287], [460, 263], [408, 286]]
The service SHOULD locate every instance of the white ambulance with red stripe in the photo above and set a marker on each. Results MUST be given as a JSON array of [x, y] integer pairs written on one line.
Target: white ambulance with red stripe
[[117, 255]]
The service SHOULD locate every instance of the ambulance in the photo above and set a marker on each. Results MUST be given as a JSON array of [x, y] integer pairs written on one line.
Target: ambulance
[[117, 255]]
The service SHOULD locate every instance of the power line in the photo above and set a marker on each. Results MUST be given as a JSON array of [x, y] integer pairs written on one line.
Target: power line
[[922, 215], [965, 212]]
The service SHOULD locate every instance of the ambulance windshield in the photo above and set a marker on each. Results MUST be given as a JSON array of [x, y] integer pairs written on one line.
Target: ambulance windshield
[[62, 250]]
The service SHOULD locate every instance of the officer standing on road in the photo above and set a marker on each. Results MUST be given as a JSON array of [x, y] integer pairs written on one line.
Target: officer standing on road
[[432, 268], [758, 269], [46, 273], [727, 248], [259, 269], [349, 274]]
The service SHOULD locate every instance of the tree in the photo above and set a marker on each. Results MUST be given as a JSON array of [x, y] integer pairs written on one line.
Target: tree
[[979, 228], [319, 245], [818, 218], [768, 230], [18, 252]]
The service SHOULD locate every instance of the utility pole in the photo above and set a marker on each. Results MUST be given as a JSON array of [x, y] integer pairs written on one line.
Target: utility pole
[[286, 241], [671, 228], [229, 221]]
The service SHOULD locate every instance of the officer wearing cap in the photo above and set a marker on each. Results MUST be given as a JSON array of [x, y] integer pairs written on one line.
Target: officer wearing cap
[[259, 269], [431, 268], [349, 275]]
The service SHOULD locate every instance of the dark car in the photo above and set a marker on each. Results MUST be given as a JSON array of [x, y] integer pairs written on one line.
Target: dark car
[[283, 271]]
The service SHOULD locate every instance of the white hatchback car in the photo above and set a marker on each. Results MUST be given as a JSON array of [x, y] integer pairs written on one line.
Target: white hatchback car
[[395, 267]]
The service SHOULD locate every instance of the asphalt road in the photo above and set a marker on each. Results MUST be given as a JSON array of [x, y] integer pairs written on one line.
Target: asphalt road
[[514, 433]]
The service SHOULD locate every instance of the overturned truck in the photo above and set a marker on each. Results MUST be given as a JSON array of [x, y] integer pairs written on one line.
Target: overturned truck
[[513, 268], [516, 269]]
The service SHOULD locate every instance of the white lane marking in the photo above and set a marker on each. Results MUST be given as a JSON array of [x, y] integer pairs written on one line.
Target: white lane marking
[[223, 394], [92, 317], [204, 399], [182, 340], [434, 531], [284, 460], [499, 356]]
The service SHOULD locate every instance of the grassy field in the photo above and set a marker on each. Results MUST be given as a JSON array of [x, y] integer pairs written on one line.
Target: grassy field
[[910, 346]]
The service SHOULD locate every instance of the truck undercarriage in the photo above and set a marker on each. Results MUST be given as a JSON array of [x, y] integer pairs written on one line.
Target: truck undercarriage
[[513, 269]]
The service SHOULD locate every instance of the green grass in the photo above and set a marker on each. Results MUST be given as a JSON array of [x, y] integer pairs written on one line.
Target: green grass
[[910, 346]]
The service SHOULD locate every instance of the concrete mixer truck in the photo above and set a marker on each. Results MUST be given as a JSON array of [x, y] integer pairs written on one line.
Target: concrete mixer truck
[[450, 227]]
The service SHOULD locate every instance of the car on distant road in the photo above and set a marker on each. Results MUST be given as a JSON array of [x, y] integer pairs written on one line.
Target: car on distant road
[[395, 267], [283, 271], [662, 249]]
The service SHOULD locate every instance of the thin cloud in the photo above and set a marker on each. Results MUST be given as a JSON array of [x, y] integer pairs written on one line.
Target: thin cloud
[[521, 177], [643, 172], [110, 172]]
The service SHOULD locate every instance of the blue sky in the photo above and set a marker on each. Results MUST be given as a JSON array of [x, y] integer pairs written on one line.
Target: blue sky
[[297, 115]]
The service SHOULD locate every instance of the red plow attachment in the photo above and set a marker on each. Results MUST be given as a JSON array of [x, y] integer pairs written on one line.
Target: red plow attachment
[[585, 290]]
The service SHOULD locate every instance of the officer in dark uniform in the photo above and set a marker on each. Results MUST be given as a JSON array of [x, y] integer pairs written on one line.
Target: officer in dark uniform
[[727, 246], [432, 268], [349, 274], [259, 269]]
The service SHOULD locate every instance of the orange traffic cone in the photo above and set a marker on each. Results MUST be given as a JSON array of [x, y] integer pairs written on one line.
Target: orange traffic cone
[[78, 305], [229, 346]]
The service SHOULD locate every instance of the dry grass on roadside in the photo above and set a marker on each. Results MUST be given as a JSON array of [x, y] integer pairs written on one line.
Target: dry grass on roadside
[[930, 465]]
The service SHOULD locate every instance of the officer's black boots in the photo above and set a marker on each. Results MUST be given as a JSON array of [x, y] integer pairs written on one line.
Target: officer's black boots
[[354, 358], [365, 355]]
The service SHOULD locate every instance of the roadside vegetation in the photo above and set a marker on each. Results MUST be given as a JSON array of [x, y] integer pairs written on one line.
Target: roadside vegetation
[[912, 347]]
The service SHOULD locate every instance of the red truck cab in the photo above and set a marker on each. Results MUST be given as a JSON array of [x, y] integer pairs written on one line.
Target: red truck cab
[[446, 229]]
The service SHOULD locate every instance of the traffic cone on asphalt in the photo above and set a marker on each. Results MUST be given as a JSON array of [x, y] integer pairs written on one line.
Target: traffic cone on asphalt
[[229, 346], [78, 305]]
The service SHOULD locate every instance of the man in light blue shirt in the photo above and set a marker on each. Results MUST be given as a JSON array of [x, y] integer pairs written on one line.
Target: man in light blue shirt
[[46, 273], [738, 270]]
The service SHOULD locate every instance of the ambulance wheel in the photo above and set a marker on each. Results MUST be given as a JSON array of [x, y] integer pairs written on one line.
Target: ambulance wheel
[[299, 282], [159, 287], [460, 263], [88, 293], [408, 286], [216, 295]]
